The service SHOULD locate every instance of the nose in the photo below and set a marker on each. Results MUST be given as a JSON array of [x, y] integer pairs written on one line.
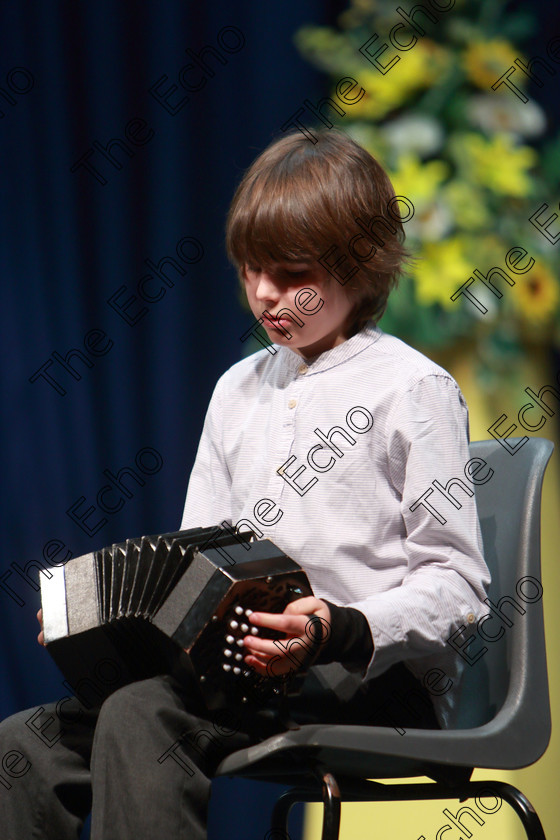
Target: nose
[[266, 289]]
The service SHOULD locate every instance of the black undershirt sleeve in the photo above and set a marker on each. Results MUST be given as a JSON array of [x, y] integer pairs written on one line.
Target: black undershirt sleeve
[[350, 641]]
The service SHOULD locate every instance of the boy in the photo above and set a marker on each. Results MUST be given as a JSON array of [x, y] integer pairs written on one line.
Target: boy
[[326, 443]]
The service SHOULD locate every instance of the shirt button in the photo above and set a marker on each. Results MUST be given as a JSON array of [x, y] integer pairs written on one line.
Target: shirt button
[[471, 618], [292, 403], [303, 369]]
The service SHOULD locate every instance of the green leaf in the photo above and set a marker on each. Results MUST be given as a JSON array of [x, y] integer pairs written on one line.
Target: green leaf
[[550, 159]]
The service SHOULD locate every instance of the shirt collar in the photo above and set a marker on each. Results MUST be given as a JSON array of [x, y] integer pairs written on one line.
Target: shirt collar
[[330, 358]]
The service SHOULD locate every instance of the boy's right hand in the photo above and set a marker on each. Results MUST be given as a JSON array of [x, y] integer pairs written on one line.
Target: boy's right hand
[[41, 636]]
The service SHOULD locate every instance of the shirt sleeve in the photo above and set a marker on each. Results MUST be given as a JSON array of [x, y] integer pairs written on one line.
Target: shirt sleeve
[[444, 587], [208, 499]]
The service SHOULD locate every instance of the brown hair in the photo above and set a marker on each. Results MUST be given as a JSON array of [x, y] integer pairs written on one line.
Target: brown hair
[[299, 199]]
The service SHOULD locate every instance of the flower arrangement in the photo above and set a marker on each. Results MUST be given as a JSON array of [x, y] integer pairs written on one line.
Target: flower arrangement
[[474, 161]]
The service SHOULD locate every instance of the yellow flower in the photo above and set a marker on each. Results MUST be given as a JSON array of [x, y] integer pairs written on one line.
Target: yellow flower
[[381, 96], [496, 163], [487, 250], [486, 61], [536, 294], [441, 269], [422, 66], [467, 205], [418, 181], [416, 70]]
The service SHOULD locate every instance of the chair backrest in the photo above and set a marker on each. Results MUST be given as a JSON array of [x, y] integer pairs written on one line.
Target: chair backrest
[[509, 677]]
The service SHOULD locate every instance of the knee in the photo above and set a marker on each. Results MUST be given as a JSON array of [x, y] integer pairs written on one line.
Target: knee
[[12, 731], [123, 711], [17, 731], [14, 751], [18, 747]]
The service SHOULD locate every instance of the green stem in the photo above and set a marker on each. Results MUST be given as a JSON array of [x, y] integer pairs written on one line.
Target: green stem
[[490, 12], [434, 98]]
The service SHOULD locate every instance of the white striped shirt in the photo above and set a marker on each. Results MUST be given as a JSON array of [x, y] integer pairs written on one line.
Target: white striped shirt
[[353, 524]]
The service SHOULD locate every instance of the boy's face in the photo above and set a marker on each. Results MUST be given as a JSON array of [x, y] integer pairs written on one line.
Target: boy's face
[[304, 289]]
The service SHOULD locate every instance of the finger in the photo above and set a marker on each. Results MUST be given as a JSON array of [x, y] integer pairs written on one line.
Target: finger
[[308, 628], [259, 665], [296, 652], [253, 660], [301, 606], [279, 668], [258, 668], [254, 645], [261, 647], [270, 647], [267, 650], [292, 624]]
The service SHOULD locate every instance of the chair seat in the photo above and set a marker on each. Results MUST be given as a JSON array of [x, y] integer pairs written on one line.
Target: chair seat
[[382, 752], [282, 757]]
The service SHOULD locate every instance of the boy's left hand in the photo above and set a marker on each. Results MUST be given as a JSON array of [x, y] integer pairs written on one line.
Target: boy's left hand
[[275, 658]]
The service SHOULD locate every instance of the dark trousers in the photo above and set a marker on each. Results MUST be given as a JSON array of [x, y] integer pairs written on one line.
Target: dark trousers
[[143, 763]]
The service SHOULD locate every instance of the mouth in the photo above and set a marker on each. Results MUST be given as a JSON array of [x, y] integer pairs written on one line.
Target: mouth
[[277, 323]]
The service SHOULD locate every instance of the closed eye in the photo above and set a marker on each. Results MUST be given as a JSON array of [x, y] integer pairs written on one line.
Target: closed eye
[[295, 270], [281, 271]]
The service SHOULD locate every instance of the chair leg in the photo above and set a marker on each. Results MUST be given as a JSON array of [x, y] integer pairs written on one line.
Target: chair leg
[[331, 808], [366, 791], [523, 809]]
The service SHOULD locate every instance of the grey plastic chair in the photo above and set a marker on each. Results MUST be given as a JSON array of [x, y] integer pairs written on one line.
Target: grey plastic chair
[[504, 711]]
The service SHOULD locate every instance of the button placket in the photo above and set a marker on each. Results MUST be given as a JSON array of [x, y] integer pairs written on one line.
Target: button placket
[[286, 440]]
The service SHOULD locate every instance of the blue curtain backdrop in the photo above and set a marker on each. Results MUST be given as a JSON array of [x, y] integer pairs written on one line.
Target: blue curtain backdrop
[[118, 164]]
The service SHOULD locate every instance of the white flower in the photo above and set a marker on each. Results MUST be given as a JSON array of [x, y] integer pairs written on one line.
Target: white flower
[[485, 298], [431, 223], [492, 112], [367, 136], [414, 133]]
